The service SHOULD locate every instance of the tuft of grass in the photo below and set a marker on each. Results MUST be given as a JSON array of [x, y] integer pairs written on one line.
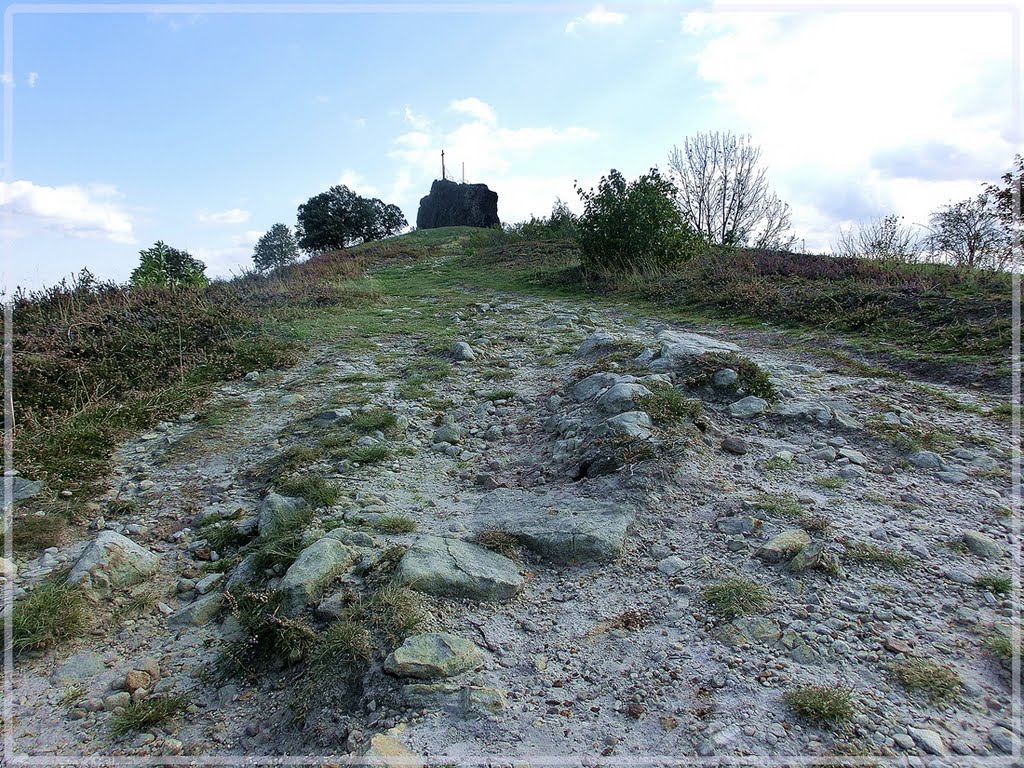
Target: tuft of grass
[[815, 524], [938, 681], [221, 535], [358, 378], [288, 461], [395, 523], [777, 462], [364, 454], [281, 545], [314, 488], [52, 613], [414, 388], [864, 553], [146, 713], [826, 704], [393, 611], [35, 532], [373, 420], [497, 540], [994, 582], [783, 504], [272, 639], [428, 369], [345, 644], [122, 507], [667, 405], [832, 483], [500, 394], [1000, 644], [751, 377], [731, 598]]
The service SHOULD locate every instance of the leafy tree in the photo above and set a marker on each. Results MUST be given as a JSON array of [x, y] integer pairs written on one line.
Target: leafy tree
[[723, 194], [169, 267], [971, 234], [277, 248], [1007, 203], [632, 227], [885, 239], [339, 217]]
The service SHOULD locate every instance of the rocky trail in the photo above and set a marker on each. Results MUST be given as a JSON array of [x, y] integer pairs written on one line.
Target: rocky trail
[[594, 535]]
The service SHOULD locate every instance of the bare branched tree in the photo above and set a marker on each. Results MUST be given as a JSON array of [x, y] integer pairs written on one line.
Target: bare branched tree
[[724, 195], [885, 239], [970, 234]]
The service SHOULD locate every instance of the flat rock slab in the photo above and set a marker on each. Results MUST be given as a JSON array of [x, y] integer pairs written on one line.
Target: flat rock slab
[[678, 349], [784, 545], [199, 612], [454, 568], [558, 527], [434, 654], [112, 561]]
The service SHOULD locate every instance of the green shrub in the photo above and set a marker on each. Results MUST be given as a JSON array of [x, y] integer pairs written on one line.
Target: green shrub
[[632, 227], [145, 713], [271, 639], [750, 377]]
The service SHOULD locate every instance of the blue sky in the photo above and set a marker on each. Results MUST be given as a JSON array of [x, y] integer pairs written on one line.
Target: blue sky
[[204, 129]]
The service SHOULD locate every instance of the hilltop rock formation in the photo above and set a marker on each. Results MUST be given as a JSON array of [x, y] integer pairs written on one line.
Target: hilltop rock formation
[[458, 205]]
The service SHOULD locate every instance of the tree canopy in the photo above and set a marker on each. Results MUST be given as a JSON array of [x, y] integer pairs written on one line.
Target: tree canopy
[[277, 248], [339, 217]]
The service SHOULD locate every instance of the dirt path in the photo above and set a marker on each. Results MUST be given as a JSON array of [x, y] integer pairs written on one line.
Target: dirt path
[[609, 646]]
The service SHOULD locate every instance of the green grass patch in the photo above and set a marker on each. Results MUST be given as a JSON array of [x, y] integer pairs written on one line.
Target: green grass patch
[[148, 712], [500, 394], [994, 582], [272, 639], [751, 377], [783, 505], [375, 420], [731, 598], [829, 482], [776, 463], [49, 615], [830, 705], [36, 532], [395, 523], [667, 405], [314, 488], [865, 553], [938, 681], [279, 546]]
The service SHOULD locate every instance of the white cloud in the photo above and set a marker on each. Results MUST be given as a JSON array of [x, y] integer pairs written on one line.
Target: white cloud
[[417, 121], [474, 107], [485, 147], [230, 216], [31, 79], [844, 96], [493, 154], [6, 78], [598, 16], [89, 212], [357, 183]]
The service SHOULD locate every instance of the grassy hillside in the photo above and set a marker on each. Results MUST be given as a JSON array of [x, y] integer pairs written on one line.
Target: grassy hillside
[[95, 362]]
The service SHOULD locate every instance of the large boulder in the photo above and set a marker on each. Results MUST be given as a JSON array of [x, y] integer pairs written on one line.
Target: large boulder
[[458, 205], [275, 510], [562, 528], [453, 568], [313, 569], [434, 654], [112, 561]]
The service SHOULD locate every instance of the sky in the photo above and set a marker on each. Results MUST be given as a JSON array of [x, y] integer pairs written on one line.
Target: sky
[[203, 129]]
